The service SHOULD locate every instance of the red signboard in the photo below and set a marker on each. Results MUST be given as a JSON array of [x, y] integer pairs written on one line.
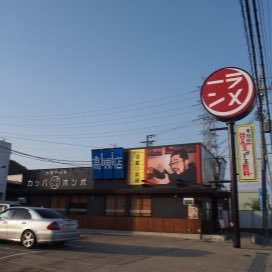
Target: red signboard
[[228, 94]]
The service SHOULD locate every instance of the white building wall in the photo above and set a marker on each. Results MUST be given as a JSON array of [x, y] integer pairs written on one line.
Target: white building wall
[[5, 151], [250, 219]]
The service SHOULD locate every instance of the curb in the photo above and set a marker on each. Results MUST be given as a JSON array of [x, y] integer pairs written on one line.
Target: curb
[[215, 238]]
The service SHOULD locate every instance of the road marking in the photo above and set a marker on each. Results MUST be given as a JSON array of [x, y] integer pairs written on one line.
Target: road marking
[[10, 248], [2, 258], [259, 263], [73, 245], [23, 253]]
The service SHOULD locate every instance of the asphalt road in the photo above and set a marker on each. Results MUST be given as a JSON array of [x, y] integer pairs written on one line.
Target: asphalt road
[[124, 253]]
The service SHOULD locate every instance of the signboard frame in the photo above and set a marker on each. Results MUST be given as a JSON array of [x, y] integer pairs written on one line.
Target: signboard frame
[[246, 153]]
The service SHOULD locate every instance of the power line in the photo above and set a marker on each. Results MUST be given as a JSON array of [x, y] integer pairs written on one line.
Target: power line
[[138, 117], [50, 142], [260, 94], [120, 108], [68, 162], [261, 58]]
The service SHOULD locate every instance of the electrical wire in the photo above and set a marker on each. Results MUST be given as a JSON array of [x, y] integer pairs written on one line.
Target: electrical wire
[[116, 109], [26, 155]]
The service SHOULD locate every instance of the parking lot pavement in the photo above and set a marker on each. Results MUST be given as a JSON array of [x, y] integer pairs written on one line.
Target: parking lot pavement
[[7, 251], [101, 252], [187, 253]]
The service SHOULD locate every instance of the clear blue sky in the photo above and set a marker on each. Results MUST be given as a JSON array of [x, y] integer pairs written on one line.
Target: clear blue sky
[[82, 74]]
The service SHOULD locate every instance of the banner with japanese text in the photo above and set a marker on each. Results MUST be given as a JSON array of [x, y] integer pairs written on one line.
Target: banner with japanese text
[[246, 153], [137, 166], [97, 158], [108, 163], [118, 163]]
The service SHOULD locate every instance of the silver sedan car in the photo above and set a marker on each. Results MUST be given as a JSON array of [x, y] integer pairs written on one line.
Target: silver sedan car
[[30, 226]]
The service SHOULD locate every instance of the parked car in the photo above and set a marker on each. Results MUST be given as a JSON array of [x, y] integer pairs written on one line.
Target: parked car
[[31, 225]]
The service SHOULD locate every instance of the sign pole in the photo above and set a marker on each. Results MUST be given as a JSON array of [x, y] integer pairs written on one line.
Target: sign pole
[[229, 94], [234, 189]]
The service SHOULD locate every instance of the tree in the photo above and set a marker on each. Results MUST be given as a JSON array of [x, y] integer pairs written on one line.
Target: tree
[[254, 204]]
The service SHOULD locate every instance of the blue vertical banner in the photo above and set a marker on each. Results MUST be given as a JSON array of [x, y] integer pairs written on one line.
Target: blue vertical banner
[[97, 161], [107, 163], [118, 163]]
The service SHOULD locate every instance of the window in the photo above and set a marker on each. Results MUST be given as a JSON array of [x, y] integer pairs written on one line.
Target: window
[[78, 204], [207, 209], [21, 214], [58, 203], [140, 205], [7, 214], [49, 214], [115, 205]]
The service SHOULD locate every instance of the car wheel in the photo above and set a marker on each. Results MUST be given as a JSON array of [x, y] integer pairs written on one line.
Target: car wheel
[[28, 239]]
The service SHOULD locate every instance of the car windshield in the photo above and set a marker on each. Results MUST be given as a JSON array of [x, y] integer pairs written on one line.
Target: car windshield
[[49, 214]]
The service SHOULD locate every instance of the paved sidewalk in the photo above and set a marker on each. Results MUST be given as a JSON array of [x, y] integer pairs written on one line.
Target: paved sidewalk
[[190, 253]]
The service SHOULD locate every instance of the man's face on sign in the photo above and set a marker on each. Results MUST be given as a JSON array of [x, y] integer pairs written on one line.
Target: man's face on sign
[[177, 164]]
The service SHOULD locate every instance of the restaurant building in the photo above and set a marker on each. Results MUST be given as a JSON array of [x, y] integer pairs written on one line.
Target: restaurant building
[[173, 189]]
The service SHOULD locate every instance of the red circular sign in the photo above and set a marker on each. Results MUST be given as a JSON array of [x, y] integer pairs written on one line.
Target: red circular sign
[[228, 94]]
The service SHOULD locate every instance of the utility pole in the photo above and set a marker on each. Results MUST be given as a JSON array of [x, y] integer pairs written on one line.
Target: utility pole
[[263, 160], [149, 140], [234, 187], [209, 135], [260, 95]]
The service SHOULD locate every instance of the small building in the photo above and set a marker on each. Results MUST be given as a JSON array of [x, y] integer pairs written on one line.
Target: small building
[[155, 189], [14, 187], [5, 149]]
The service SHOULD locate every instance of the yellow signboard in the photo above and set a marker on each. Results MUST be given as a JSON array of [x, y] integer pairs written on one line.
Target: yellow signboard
[[137, 163], [246, 153]]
